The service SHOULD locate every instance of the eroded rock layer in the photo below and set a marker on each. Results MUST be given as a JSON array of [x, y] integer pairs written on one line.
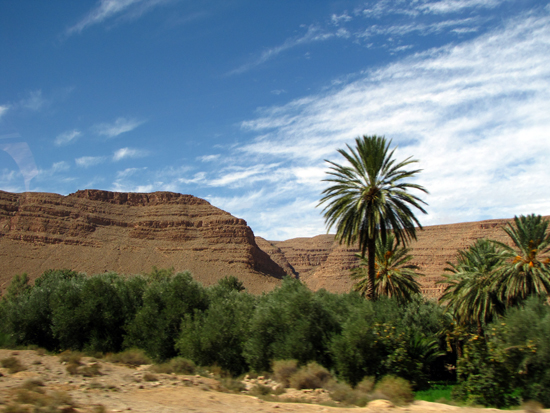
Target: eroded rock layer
[[321, 262], [96, 231]]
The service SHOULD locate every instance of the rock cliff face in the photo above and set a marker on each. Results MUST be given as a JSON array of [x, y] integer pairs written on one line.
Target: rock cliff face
[[320, 262], [96, 231]]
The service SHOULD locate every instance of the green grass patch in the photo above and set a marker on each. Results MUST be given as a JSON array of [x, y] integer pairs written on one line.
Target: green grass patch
[[439, 393]]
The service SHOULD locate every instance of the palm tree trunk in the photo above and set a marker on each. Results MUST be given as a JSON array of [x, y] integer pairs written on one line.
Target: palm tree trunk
[[371, 256]]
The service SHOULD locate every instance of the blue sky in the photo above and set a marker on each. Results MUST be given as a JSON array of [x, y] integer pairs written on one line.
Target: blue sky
[[240, 102]]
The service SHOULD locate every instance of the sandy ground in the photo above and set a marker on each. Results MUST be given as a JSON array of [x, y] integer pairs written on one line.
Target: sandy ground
[[121, 388]]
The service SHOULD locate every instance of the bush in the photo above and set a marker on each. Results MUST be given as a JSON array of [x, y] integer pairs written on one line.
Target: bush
[[312, 376], [366, 385], [217, 335], [132, 357], [290, 322], [12, 364], [283, 370], [177, 365], [395, 389], [157, 323], [260, 390]]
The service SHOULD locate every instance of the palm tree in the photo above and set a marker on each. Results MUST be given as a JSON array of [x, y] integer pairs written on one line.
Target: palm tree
[[370, 197], [394, 276], [471, 293], [528, 270]]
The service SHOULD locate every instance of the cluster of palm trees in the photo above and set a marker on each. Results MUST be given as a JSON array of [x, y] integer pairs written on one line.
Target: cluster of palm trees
[[369, 203], [490, 276]]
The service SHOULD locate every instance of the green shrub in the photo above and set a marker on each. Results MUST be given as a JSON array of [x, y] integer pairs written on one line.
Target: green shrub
[[395, 389], [290, 322], [217, 335], [157, 323], [283, 370]]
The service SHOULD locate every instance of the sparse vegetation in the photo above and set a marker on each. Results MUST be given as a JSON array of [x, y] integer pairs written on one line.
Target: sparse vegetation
[[12, 364]]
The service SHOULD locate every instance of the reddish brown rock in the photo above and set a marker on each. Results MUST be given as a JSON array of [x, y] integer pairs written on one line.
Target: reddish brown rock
[[96, 231], [321, 262]]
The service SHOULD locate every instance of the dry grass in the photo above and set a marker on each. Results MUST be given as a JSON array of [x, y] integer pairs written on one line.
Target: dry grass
[[312, 376], [394, 389], [178, 365], [131, 357], [12, 364], [283, 370]]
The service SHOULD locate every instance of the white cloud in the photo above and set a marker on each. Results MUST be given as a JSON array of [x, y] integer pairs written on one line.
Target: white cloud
[[34, 101], [475, 115], [108, 9], [60, 166], [119, 126], [337, 19], [87, 161], [453, 6], [67, 137], [209, 158], [124, 153], [3, 110], [313, 34]]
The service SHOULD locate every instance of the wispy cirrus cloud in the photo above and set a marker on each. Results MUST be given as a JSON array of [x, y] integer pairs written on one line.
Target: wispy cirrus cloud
[[87, 161], [209, 158], [313, 34], [67, 137], [119, 126], [124, 153], [3, 110], [34, 101], [109, 9], [475, 114]]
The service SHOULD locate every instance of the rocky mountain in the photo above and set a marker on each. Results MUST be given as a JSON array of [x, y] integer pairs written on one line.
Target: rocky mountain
[[98, 231], [321, 262]]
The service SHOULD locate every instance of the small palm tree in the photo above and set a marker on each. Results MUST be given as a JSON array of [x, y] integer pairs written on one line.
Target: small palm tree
[[527, 271], [369, 197], [472, 293], [394, 276]]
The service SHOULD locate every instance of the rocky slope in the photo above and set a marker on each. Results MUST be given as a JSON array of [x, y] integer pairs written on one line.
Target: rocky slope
[[321, 262], [97, 231]]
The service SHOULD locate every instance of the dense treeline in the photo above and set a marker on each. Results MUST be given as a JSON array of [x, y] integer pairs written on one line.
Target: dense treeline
[[170, 315]]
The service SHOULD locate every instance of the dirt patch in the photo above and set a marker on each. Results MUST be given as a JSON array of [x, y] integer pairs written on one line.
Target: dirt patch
[[120, 388]]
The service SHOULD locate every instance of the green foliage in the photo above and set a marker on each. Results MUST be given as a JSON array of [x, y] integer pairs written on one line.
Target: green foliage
[[384, 337], [395, 277], [166, 302], [483, 378], [528, 272], [231, 283], [19, 285], [471, 293], [217, 335], [290, 322], [370, 197]]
